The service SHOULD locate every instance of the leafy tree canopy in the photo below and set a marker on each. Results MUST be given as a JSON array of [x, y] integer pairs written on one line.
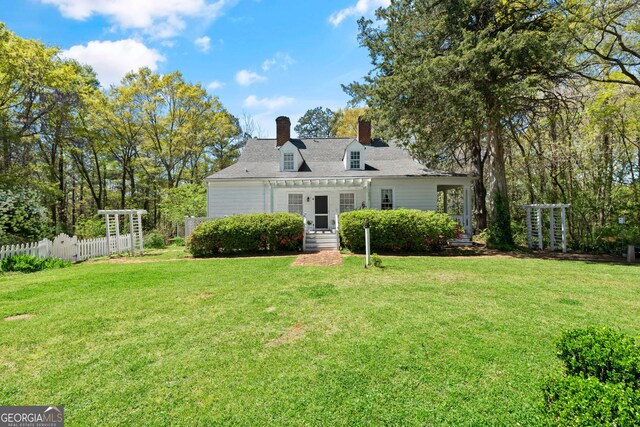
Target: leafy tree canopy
[[345, 122], [315, 123]]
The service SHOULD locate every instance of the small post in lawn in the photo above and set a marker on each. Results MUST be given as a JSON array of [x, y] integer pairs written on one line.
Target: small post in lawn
[[367, 243]]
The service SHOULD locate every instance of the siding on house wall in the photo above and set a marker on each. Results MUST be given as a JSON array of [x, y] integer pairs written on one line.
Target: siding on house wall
[[281, 199], [230, 198], [408, 193], [234, 197]]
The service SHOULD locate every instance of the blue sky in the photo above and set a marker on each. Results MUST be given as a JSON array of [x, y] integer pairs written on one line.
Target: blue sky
[[262, 58]]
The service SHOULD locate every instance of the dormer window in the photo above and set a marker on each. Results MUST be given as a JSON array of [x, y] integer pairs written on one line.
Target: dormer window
[[289, 162], [354, 160], [354, 156]]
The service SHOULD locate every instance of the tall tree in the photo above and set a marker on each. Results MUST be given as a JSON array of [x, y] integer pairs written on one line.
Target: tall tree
[[315, 123], [605, 39], [488, 54], [345, 122]]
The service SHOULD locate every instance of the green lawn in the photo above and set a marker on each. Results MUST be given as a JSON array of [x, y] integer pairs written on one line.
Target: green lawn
[[254, 341]]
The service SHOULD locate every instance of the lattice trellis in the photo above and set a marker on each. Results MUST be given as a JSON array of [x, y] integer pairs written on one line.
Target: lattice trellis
[[557, 214], [112, 218]]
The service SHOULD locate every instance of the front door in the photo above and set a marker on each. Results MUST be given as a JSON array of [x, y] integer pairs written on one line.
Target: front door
[[322, 212]]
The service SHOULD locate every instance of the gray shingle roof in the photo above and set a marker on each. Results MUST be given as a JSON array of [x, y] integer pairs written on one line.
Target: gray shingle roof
[[323, 159]]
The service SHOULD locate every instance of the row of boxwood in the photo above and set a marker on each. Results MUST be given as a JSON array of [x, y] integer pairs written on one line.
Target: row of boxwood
[[401, 230], [601, 381], [273, 232]]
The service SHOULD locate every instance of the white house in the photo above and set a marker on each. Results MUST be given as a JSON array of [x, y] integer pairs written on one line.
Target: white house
[[321, 177]]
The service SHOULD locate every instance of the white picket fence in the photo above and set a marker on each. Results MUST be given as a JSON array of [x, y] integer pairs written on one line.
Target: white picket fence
[[68, 248]]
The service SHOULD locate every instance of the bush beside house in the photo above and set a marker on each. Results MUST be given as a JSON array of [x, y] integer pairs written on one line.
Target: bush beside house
[[401, 230], [247, 233]]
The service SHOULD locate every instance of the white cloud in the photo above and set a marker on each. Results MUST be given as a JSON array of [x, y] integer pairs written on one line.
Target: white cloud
[[203, 43], [270, 104], [215, 85], [159, 18], [281, 60], [113, 59], [247, 78], [362, 7]]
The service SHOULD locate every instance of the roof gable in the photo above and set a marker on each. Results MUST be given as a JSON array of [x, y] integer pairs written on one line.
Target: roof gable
[[323, 157]]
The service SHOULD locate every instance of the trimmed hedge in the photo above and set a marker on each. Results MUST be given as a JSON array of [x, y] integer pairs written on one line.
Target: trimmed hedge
[[601, 385], [575, 401], [401, 230], [247, 233], [601, 352]]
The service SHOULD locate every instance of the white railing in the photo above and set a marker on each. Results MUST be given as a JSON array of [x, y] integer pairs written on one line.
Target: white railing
[[337, 231], [68, 248], [459, 219]]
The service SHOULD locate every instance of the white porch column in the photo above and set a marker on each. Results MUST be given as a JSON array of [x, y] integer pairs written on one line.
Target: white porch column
[[367, 191], [467, 210], [445, 201]]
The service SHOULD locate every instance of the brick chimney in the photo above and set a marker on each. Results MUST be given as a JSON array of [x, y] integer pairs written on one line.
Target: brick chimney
[[364, 131], [283, 130]]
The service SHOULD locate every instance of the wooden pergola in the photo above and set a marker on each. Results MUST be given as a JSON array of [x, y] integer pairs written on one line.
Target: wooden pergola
[[557, 225], [112, 221]]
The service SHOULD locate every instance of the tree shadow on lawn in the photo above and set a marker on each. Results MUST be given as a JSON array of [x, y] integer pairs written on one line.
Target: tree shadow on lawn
[[521, 253]]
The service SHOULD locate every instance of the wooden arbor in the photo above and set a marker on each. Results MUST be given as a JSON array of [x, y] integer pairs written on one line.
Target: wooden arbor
[[557, 225], [115, 243]]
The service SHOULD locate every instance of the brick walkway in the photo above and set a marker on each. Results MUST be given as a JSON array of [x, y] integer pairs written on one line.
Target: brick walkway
[[327, 257]]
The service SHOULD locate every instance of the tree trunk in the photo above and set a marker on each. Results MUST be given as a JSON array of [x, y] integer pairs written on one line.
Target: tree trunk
[[499, 215], [479, 190], [123, 189]]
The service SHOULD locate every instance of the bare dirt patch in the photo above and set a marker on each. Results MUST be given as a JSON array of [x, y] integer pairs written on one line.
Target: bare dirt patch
[[325, 258], [205, 296], [270, 309], [19, 316], [292, 334]]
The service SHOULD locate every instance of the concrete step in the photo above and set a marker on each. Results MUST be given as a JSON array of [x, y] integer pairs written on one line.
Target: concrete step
[[318, 241], [322, 239], [458, 243], [319, 247]]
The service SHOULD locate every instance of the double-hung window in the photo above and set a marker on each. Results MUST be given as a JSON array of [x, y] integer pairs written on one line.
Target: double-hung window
[[386, 199], [288, 161], [295, 203], [354, 160], [347, 202]]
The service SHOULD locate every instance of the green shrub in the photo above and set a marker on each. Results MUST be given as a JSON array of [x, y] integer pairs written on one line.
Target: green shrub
[[30, 263], [376, 260], [178, 241], [601, 385], [90, 228], [576, 401], [601, 352], [247, 233], [401, 230], [611, 239], [154, 240], [23, 216]]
